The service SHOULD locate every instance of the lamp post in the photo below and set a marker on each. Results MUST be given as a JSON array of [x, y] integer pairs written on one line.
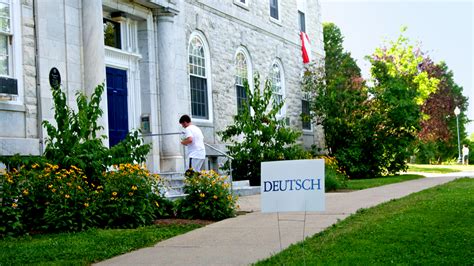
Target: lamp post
[[457, 112]]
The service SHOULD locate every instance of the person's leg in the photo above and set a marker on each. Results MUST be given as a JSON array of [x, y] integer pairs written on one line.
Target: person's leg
[[197, 164]]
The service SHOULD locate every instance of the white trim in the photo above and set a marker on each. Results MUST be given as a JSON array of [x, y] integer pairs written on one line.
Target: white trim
[[16, 54], [272, 19], [207, 57], [242, 5], [120, 59]]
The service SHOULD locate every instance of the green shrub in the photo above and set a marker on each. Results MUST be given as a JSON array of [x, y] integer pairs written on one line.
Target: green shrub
[[335, 178], [129, 196], [51, 199], [265, 137], [208, 197], [76, 139]]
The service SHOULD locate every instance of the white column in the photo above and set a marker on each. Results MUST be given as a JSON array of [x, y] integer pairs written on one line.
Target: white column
[[94, 54], [171, 159]]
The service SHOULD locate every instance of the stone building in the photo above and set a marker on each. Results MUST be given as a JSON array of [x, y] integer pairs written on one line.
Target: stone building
[[160, 59]]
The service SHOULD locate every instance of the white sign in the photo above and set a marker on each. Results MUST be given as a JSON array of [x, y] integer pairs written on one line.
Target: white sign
[[292, 186]]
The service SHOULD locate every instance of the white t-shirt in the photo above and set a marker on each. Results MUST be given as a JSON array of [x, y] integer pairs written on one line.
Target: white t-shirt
[[465, 151], [196, 148]]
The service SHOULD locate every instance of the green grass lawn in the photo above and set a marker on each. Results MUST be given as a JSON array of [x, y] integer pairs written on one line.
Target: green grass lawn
[[431, 227], [83, 248], [357, 184], [426, 168]]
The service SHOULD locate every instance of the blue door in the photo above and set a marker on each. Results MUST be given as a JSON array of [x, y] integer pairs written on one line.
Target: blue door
[[117, 104]]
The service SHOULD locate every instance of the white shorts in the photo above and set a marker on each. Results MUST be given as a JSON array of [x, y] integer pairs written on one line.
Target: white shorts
[[196, 164]]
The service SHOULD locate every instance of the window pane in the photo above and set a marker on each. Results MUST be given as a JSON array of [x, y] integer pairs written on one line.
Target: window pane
[[4, 25], [305, 114], [4, 10], [4, 55], [274, 9], [302, 21], [112, 36], [198, 97]]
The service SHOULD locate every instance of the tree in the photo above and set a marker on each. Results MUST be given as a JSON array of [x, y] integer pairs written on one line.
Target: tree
[[400, 88], [437, 139], [339, 100], [370, 130], [257, 135]]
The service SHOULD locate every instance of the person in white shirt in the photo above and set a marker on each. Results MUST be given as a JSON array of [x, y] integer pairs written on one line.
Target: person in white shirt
[[193, 139], [465, 154]]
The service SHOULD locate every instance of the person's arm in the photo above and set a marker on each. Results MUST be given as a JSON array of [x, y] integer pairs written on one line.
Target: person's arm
[[187, 140]]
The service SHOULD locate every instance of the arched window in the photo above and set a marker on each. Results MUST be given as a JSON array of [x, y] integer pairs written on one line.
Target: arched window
[[243, 75], [198, 66], [278, 86]]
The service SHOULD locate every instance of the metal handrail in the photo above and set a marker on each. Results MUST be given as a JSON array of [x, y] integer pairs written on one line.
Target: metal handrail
[[219, 151]]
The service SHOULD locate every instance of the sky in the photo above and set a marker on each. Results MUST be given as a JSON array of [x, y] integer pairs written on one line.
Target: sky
[[444, 29]]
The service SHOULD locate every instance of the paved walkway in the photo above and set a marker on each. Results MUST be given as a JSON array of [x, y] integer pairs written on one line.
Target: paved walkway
[[248, 238]]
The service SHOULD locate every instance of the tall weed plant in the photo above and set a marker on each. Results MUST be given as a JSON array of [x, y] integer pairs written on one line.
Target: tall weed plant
[[259, 135]]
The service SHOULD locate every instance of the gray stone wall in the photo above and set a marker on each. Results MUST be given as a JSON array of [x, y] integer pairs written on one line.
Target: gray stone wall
[[227, 26]]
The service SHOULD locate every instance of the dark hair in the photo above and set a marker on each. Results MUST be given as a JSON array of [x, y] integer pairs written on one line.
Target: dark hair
[[185, 118]]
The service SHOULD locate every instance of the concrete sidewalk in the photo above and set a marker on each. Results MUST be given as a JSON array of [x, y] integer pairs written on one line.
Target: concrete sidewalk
[[248, 238]]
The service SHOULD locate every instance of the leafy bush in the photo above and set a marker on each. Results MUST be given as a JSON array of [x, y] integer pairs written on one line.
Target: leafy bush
[[335, 178], [265, 137], [208, 197], [55, 199], [76, 140]]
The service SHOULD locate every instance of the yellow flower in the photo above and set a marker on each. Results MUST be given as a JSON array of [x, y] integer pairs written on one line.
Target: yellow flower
[[100, 187], [134, 187], [79, 187], [114, 193], [14, 205], [202, 195], [10, 180], [67, 196], [50, 186], [215, 197], [157, 204], [26, 192], [229, 197], [53, 190], [130, 193], [34, 166], [86, 204]]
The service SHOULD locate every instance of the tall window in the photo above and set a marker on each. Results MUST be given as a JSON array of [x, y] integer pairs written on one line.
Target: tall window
[[10, 57], [5, 38], [241, 76], [302, 21], [277, 86], [305, 112], [198, 78], [274, 9]]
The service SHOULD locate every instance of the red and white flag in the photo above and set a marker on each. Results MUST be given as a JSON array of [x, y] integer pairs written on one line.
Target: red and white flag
[[305, 47]]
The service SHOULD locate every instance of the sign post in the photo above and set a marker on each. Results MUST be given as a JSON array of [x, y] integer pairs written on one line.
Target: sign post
[[289, 186]]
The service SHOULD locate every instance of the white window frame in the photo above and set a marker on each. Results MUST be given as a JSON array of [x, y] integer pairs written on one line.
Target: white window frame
[[282, 113], [242, 3], [207, 58], [277, 21], [244, 51], [15, 56]]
